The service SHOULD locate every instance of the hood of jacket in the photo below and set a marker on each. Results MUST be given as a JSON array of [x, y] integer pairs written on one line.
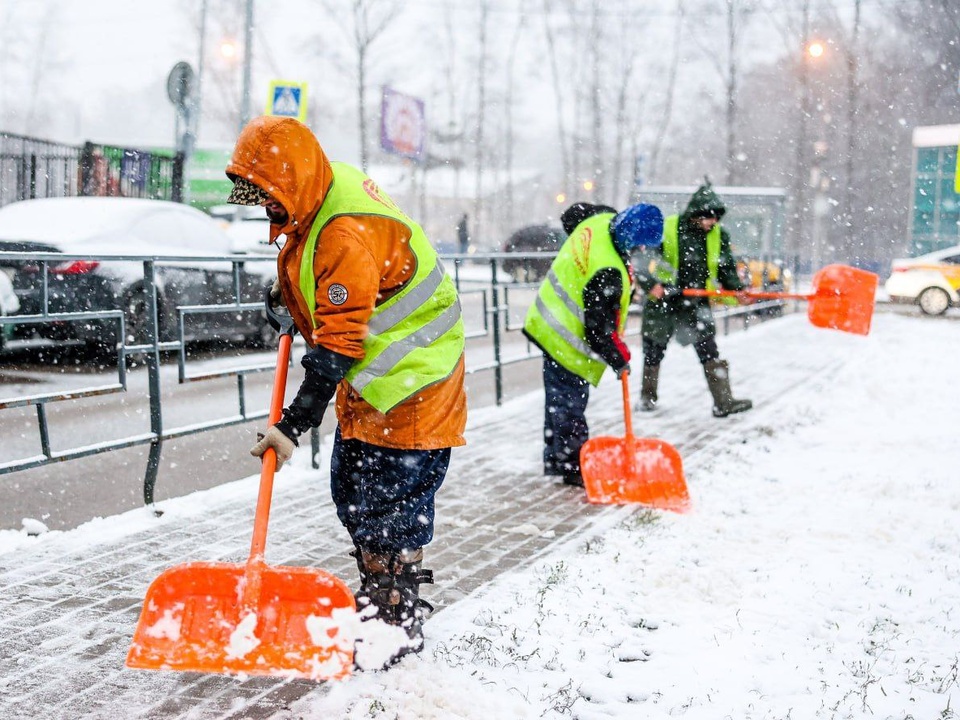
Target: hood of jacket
[[282, 156], [705, 202]]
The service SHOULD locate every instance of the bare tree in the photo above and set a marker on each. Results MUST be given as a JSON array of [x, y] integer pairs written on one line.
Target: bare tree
[[508, 107], [596, 100], [365, 23], [736, 15], [853, 67], [667, 111], [556, 77], [481, 115]]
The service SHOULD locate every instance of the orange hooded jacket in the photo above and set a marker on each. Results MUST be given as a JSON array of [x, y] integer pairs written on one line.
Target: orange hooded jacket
[[367, 256]]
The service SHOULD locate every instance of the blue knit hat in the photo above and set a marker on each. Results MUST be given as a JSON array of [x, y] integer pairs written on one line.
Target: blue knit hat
[[638, 225]]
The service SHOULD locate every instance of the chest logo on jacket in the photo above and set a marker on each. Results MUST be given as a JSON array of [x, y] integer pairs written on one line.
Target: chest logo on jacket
[[581, 250], [337, 294], [373, 190]]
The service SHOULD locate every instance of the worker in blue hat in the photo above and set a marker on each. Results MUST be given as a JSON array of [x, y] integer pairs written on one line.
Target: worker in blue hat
[[578, 319]]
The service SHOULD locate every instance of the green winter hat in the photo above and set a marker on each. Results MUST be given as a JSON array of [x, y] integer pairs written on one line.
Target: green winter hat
[[705, 203]]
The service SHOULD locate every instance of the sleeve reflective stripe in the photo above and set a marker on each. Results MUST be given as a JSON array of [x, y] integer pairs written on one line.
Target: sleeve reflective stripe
[[408, 304], [394, 353], [565, 297], [567, 336]]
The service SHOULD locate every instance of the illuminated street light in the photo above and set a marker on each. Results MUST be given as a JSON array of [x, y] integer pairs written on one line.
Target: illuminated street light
[[228, 49], [588, 185], [815, 49], [561, 197]]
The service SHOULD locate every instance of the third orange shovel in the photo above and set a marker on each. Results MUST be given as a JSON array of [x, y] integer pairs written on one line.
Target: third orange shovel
[[843, 298], [617, 471]]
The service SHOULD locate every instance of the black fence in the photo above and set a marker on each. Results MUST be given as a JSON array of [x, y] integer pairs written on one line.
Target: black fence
[[34, 168], [494, 304]]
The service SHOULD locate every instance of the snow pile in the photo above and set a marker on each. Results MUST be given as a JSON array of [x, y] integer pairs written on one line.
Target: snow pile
[[816, 577]]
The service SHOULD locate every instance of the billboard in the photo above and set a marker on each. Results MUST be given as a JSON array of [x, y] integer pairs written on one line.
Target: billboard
[[403, 125]]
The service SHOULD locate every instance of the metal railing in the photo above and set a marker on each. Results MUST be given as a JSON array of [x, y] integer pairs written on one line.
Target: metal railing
[[150, 350], [34, 168], [498, 307]]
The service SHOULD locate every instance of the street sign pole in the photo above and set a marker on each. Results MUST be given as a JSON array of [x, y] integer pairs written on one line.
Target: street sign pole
[[181, 89], [247, 57]]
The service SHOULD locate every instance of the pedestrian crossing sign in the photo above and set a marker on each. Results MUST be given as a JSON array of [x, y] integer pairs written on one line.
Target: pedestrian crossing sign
[[287, 99]]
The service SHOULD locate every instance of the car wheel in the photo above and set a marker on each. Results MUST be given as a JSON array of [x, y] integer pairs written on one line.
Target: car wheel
[[934, 301]]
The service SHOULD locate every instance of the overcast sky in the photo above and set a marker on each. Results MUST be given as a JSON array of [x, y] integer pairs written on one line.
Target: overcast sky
[[97, 70]]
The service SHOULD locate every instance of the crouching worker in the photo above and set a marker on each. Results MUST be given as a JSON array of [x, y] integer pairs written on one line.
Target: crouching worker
[[577, 321], [382, 323]]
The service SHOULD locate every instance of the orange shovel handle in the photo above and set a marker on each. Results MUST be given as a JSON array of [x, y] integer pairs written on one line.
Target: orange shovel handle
[[269, 466], [694, 292], [627, 417]]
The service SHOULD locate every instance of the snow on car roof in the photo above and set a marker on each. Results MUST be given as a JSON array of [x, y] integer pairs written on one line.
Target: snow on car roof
[[74, 218]]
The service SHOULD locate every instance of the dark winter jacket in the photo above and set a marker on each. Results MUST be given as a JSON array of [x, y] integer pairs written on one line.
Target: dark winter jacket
[[690, 318]]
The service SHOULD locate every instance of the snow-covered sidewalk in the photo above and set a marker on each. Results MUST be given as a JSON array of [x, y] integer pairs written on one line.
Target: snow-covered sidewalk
[[817, 576]]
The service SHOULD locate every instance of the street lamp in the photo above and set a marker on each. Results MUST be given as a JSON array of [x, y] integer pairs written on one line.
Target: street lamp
[[228, 49], [815, 49]]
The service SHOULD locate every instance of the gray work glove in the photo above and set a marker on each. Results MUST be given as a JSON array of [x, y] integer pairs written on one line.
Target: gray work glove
[[275, 439], [276, 297]]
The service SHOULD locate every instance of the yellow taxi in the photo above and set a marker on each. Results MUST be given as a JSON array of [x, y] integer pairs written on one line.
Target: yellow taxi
[[931, 281]]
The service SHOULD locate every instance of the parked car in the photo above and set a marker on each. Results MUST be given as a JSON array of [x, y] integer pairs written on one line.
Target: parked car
[[247, 227], [9, 305], [108, 226], [931, 281], [530, 239]]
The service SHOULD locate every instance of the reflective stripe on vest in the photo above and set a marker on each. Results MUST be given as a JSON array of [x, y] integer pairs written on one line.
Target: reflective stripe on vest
[[666, 270], [415, 338], [556, 319]]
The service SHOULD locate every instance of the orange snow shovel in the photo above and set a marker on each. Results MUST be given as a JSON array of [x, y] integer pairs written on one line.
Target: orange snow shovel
[[617, 471], [843, 298], [248, 618]]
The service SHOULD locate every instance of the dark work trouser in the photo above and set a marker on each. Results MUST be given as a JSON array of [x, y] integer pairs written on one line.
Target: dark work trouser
[[385, 496], [565, 422], [706, 348]]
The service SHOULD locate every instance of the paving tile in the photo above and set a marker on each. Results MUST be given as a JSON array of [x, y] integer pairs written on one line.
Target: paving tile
[[66, 617]]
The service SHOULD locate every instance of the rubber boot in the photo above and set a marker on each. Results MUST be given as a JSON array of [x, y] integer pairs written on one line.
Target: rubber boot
[[648, 389], [391, 584], [718, 380]]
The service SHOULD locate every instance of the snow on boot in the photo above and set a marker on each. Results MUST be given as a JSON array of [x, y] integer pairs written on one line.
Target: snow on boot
[[390, 592], [648, 389], [718, 380]]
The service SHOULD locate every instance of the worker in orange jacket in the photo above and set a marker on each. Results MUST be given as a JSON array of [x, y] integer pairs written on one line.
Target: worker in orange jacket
[[382, 323]]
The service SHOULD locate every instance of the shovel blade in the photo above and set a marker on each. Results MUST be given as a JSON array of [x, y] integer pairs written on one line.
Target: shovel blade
[[843, 299], [617, 471], [193, 621]]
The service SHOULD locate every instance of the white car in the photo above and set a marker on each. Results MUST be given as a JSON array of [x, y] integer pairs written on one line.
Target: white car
[[9, 304], [247, 227], [931, 281], [103, 226]]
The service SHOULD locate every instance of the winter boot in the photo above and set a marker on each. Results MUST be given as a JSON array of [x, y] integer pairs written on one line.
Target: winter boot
[[648, 390], [718, 379], [391, 584]]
